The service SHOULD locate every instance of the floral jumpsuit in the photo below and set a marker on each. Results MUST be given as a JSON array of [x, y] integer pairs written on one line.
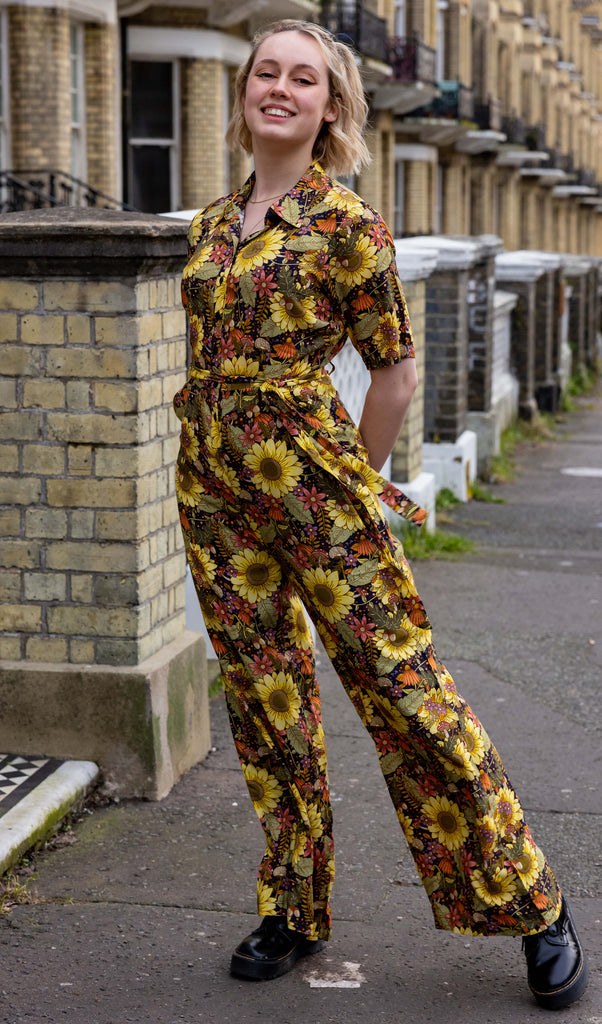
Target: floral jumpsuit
[[280, 510]]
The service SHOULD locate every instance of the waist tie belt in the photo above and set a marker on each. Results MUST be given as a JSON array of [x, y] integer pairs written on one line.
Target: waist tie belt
[[291, 397]]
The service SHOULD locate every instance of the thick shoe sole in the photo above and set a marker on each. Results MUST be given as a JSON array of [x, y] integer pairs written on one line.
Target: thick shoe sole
[[560, 998], [265, 970]]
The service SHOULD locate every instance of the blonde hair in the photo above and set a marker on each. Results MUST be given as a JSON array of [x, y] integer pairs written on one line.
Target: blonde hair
[[339, 145]]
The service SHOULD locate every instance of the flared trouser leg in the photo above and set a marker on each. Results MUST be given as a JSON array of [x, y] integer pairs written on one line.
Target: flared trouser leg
[[463, 821]]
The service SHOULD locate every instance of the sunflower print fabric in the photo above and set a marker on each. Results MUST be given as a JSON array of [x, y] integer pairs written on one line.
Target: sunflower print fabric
[[281, 513]]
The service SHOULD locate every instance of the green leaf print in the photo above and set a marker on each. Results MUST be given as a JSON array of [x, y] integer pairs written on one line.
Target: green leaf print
[[207, 271], [306, 243], [366, 326], [270, 329], [384, 259], [347, 636], [297, 739], [267, 613], [363, 573], [296, 509], [391, 761], [304, 867], [246, 289], [410, 702], [290, 209], [338, 535]]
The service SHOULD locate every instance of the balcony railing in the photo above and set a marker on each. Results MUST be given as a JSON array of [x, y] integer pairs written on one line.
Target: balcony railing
[[488, 116], [456, 103], [412, 60], [359, 26], [33, 190], [535, 137], [514, 130], [586, 178]]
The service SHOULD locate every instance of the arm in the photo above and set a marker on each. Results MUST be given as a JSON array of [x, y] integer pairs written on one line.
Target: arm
[[387, 402]]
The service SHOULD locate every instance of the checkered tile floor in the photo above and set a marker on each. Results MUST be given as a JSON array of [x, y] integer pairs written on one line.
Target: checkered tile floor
[[20, 775]]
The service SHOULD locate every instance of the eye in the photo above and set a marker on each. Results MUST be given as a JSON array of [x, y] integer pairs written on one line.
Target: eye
[[305, 81], [265, 74]]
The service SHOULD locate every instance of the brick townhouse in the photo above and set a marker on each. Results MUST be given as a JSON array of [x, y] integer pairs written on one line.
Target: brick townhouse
[[485, 116]]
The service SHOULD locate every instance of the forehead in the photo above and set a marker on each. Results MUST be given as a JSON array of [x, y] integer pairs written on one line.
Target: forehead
[[288, 48]]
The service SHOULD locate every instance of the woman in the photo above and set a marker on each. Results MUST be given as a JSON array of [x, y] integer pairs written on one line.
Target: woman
[[279, 500]]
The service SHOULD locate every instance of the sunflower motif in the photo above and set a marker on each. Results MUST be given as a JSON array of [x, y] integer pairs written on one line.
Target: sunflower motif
[[202, 566], [527, 865], [391, 714], [488, 832], [343, 515], [495, 889], [276, 469], [188, 440], [355, 265], [445, 822], [188, 489], [280, 698], [434, 711], [473, 741], [293, 313], [389, 584], [257, 574], [199, 258], [265, 790], [316, 825], [219, 293], [266, 900], [240, 366], [398, 642], [508, 810], [406, 824], [331, 594], [226, 474], [387, 334], [258, 251], [459, 759], [300, 633], [341, 199]]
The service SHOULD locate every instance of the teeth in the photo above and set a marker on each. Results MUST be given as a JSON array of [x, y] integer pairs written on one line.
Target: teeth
[[277, 112]]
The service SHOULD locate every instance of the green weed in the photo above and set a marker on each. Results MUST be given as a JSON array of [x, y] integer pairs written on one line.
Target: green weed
[[14, 892], [419, 544]]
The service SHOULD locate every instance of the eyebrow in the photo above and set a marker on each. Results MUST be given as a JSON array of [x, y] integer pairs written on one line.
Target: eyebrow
[[296, 67]]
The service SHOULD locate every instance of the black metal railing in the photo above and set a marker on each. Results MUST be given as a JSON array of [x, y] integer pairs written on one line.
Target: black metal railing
[[358, 26], [37, 189], [412, 60], [585, 177], [488, 116], [514, 129], [535, 137], [455, 103]]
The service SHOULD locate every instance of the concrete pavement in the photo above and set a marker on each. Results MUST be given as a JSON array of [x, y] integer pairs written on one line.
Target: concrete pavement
[[135, 922]]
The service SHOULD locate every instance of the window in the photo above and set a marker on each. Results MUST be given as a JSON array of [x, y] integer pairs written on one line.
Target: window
[[4, 120], [400, 20], [442, 6], [77, 94], [153, 143]]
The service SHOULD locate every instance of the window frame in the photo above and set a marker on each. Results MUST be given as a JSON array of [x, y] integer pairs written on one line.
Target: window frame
[[174, 143]]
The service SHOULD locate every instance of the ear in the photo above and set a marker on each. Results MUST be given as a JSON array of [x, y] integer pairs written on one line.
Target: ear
[[331, 113]]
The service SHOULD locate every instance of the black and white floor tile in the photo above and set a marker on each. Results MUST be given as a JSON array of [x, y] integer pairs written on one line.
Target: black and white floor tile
[[19, 775]]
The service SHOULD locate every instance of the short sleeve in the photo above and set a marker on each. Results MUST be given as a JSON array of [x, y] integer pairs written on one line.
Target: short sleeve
[[370, 294]]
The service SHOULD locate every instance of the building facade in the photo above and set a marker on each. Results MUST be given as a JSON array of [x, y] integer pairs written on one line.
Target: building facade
[[485, 115]]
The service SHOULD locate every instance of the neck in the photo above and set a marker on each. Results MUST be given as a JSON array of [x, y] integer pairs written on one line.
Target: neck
[[278, 173]]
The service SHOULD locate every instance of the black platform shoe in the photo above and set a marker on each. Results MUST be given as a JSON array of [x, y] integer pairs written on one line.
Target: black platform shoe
[[556, 963], [271, 950]]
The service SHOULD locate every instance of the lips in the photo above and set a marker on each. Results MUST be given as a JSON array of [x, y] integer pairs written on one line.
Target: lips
[[277, 112]]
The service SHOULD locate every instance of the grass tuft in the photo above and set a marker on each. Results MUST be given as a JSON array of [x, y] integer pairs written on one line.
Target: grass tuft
[[419, 544], [14, 892]]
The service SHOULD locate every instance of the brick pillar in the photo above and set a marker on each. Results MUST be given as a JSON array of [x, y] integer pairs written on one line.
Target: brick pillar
[[406, 457], [102, 122], [576, 274], [203, 145], [370, 180], [418, 206], [97, 664], [39, 88], [519, 273]]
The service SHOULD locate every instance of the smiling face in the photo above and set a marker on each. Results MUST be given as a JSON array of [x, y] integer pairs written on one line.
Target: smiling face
[[287, 98]]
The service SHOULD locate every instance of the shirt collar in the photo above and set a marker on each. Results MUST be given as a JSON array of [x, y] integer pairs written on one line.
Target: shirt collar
[[309, 191]]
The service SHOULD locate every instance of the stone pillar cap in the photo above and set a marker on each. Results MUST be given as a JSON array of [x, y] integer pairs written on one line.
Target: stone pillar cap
[[522, 265], [71, 241], [579, 264], [451, 253], [414, 262], [487, 245], [551, 260], [502, 298]]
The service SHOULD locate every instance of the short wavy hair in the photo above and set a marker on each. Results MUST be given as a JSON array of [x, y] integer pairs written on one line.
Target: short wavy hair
[[339, 145]]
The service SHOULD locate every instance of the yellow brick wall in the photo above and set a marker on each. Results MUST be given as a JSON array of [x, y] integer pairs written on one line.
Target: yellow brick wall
[[102, 113], [91, 556], [406, 459], [39, 88], [203, 146]]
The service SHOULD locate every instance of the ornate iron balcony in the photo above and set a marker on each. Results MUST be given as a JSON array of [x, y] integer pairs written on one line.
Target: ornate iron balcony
[[33, 190], [488, 116], [514, 129], [456, 103], [412, 60], [358, 26]]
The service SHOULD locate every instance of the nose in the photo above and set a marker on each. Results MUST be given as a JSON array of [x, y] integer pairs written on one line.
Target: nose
[[280, 86]]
